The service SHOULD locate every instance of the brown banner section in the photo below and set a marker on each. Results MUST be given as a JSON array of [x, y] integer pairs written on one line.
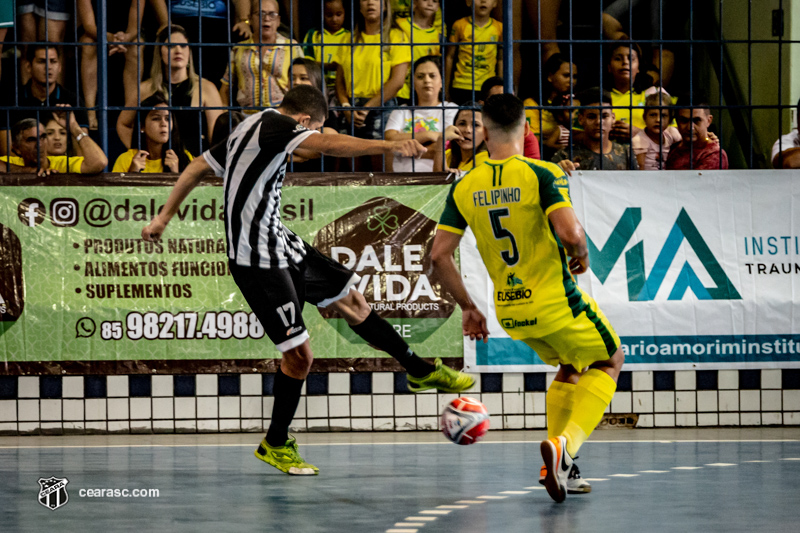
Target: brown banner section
[[299, 179], [200, 366]]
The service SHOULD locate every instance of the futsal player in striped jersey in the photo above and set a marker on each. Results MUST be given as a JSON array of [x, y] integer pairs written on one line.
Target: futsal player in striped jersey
[[532, 245], [277, 271]]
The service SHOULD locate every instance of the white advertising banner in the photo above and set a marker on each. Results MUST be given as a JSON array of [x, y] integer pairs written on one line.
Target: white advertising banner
[[695, 270]]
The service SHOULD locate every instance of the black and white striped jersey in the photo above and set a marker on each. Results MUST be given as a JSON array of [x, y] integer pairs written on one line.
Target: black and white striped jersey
[[253, 164]]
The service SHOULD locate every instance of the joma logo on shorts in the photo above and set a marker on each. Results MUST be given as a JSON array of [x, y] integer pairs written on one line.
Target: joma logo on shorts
[[511, 323], [510, 296]]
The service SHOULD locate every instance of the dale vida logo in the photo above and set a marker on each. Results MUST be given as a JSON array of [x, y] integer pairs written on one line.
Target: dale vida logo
[[643, 287]]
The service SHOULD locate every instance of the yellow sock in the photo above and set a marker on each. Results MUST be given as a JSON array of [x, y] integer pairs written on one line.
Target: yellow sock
[[592, 395], [559, 401]]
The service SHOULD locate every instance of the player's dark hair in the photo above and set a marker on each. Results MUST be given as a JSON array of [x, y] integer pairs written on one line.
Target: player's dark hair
[[594, 96], [456, 156], [150, 104], [504, 111], [488, 85], [307, 100]]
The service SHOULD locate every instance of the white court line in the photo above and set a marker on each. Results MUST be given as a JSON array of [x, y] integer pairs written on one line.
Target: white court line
[[470, 501], [515, 492], [538, 487], [595, 479], [436, 511], [421, 518], [409, 524], [483, 443], [686, 467], [623, 475], [722, 464], [653, 471], [758, 461], [402, 530], [492, 497], [452, 506], [791, 459]]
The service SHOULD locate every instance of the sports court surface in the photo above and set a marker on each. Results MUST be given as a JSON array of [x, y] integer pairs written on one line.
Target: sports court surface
[[643, 480]]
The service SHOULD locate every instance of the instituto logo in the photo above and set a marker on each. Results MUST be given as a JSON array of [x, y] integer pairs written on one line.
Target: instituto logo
[[642, 287]]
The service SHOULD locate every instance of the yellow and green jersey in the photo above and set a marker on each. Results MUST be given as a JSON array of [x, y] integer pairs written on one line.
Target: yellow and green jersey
[[327, 48], [484, 59], [507, 203], [425, 42]]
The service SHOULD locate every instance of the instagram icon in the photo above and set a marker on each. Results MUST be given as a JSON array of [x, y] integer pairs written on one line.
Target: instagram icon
[[64, 212]]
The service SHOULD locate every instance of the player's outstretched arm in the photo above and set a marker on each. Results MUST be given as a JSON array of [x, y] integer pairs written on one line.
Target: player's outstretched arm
[[187, 181], [347, 146], [572, 236], [473, 322]]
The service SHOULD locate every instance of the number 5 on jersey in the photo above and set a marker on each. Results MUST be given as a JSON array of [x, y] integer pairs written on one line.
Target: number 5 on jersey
[[283, 310], [511, 258]]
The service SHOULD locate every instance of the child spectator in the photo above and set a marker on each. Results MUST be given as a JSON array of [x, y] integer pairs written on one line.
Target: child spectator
[[172, 74], [162, 149], [470, 150], [30, 147], [651, 145], [494, 85], [424, 125], [553, 126], [596, 151], [786, 150], [424, 34], [623, 65], [372, 75], [333, 36], [261, 64], [477, 61], [696, 150], [41, 90]]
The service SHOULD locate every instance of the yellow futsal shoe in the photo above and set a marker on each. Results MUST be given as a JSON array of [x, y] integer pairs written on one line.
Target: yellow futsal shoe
[[443, 378], [285, 458]]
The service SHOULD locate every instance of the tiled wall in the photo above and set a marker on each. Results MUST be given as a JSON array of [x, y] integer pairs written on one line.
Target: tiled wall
[[376, 401]]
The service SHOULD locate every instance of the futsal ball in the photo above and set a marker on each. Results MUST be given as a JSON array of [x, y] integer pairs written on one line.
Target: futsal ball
[[465, 421]]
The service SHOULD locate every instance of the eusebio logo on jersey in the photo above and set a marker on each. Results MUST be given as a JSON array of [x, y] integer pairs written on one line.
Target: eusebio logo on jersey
[[389, 245]]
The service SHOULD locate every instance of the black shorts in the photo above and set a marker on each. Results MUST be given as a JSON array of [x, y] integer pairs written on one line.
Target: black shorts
[[277, 295]]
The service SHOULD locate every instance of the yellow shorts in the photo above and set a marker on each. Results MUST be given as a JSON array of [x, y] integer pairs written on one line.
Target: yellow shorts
[[587, 339]]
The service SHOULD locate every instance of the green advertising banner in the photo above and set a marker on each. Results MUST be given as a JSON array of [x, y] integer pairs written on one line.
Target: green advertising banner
[[79, 284]]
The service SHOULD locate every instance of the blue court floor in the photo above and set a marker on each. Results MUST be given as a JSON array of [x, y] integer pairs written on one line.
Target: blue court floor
[[644, 480]]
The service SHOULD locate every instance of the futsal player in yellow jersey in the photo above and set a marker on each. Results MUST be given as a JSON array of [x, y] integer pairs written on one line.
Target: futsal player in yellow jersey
[[532, 244], [481, 60]]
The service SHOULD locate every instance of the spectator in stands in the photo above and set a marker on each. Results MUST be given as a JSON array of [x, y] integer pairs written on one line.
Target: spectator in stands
[[207, 24], [786, 150], [696, 150], [42, 21], [225, 124], [87, 19], [333, 37], [183, 88], [553, 126], [30, 147], [596, 150], [260, 75], [57, 138], [475, 63], [41, 90], [651, 145], [372, 75], [427, 125], [306, 71], [162, 149], [627, 99], [424, 34], [470, 150], [495, 85]]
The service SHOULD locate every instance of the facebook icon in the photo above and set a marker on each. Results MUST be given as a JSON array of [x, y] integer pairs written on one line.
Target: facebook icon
[[31, 212]]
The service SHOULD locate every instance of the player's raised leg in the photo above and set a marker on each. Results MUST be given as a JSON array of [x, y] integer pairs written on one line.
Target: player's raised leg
[[379, 333]]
